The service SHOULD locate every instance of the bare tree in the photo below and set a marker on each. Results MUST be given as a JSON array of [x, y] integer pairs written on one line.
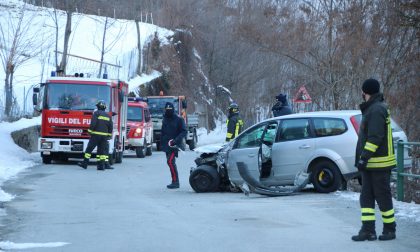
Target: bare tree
[[18, 44]]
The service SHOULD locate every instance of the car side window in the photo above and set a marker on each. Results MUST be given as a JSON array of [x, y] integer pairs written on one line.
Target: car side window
[[329, 126], [270, 133], [294, 129], [251, 138]]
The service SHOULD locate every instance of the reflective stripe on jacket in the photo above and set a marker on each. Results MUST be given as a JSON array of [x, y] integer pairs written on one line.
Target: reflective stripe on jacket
[[234, 127], [375, 135], [101, 124]]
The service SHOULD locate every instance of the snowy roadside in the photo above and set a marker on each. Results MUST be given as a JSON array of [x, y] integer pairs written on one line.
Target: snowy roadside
[[14, 158], [403, 210]]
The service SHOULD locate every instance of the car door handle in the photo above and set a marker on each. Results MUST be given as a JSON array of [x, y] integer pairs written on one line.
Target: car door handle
[[305, 146], [251, 155]]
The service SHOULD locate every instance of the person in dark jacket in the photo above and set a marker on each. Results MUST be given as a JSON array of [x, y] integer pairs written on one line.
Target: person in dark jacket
[[234, 122], [374, 159], [282, 106], [100, 131], [172, 136]]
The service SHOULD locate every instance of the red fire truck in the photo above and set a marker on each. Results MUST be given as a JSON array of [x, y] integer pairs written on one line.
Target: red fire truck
[[67, 104], [139, 127]]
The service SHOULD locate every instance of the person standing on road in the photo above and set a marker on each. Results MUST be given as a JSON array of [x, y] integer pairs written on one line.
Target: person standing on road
[[374, 159], [173, 133], [234, 122], [100, 131], [282, 106]]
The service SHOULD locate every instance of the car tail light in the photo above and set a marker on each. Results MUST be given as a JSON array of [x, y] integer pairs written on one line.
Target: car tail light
[[355, 123]]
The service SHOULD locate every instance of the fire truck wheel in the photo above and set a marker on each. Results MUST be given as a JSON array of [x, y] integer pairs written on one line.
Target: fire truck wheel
[[193, 142], [46, 159], [149, 150], [119, 158], [140, 152]]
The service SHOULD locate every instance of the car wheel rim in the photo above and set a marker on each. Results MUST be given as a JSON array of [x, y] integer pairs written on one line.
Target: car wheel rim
[[325, 177], [202, 181]]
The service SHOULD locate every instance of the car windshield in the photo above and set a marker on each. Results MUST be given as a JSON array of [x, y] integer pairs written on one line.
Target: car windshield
[[135, 114], [157, 105], [76, 96]]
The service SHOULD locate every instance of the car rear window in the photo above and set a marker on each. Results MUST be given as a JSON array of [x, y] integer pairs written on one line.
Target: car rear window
[[395, 127], [329, 126]]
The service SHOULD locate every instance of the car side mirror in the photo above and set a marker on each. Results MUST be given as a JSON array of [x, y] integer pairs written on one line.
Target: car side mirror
[[184, 104], [35, 99]]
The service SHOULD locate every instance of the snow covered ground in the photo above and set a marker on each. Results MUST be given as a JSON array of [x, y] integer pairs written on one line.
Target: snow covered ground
[[87, 30]]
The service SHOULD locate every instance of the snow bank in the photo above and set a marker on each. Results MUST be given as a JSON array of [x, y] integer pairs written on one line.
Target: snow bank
[[217, 136], [403, 210], [15, 158], [11, 245]]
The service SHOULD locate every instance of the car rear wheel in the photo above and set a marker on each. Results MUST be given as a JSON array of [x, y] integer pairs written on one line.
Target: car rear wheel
[[204, 179], [326, 177]]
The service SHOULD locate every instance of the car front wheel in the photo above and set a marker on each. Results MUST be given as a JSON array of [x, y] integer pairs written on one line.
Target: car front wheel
[[204, 179], [326, 177]]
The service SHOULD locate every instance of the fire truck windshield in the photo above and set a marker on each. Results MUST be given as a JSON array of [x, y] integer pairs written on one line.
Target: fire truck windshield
[[76, 96], [157, 105], [135, 114]]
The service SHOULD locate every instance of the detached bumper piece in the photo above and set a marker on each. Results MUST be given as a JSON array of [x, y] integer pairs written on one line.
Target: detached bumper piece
[[301, 181]]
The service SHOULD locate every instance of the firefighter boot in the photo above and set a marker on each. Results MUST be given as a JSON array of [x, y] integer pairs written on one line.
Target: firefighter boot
[[108, 166], [388, 233], [386, 236], [366, 233], [84, 163], [173, 185], [101, 166]]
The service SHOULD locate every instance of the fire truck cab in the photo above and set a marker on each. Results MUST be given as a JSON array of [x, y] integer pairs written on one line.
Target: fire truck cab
[[66, 104], [139, 127]]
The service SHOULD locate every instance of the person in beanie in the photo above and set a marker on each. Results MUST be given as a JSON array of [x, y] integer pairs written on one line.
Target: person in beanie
[[282, 106], [100, 131], [374, 159], [234, 122], [173, 133]]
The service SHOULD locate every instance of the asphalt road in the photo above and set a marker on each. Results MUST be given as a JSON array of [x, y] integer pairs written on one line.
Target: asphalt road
[[130, 209]]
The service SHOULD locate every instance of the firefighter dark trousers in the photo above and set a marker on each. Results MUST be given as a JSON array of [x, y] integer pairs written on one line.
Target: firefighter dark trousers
[[170, 159], [101, 143], [376, 187]]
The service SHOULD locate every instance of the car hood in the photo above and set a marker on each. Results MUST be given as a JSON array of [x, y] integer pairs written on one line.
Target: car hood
[[215, 148], [210, 148]]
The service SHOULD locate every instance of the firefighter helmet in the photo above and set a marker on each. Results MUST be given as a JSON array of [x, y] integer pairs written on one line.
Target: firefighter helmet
[[233, 108], [101, 105]]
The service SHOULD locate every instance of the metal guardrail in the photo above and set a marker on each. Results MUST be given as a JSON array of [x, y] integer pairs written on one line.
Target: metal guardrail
[[400, 169]]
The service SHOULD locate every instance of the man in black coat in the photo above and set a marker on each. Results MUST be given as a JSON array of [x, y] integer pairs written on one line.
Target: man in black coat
[[100, 131], [172, 136], [282, 106], [375, 159]]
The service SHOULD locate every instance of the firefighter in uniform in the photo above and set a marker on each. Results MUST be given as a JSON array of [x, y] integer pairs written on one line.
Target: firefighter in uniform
[[173, 133], [374, 159], [234, 122], [100, 131]]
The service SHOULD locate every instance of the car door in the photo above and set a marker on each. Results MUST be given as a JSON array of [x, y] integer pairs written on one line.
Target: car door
[[245, 149], [291, 151]]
